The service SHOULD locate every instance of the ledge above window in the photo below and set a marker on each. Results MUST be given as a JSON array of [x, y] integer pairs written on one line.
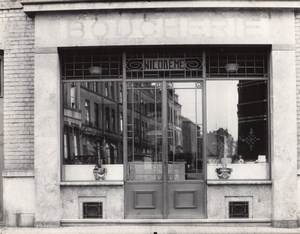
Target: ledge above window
[[92, 183], [239, 182]]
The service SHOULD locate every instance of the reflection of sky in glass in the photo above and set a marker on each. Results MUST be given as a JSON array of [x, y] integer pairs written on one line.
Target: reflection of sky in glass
[[222, 100], [188, 98]]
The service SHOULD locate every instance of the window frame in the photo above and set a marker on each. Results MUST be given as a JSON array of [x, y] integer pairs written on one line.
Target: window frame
[[123, 80], [1, 74]]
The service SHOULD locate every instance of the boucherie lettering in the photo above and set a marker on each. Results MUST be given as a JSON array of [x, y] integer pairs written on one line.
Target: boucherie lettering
[[162, 64]]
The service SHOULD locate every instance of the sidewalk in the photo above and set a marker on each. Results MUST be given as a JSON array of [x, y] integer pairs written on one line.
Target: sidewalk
[[152, 229]]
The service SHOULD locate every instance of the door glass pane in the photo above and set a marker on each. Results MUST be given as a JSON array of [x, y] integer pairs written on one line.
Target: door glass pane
[[185, 133], [144, 131]]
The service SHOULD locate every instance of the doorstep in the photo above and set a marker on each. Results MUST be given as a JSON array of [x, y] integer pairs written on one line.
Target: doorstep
[[173, 222], [151, 229]]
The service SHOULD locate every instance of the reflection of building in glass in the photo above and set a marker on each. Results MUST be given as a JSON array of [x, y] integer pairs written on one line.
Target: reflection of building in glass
[[92, 123], [145, 122], [191, 151], [175, 143], [220, 144], [252, 119]]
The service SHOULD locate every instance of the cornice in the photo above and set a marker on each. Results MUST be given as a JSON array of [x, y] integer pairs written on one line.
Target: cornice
[[31, 6]]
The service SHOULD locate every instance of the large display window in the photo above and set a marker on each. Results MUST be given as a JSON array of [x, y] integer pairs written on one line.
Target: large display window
[[211, 105]]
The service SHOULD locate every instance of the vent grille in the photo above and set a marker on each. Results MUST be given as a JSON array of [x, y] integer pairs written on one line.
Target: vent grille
[[92, 210], [239, 209]]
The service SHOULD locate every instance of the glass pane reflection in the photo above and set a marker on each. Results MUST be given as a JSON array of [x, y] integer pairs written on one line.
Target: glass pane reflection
[[185, 131], [236, 121], [144, 131], [184, 126], [92, 123]]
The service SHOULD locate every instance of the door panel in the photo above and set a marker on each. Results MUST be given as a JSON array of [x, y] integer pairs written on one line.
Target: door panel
[[186, 200], [144, 200]]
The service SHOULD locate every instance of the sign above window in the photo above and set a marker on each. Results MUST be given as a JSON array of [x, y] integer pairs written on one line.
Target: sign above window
[[164, 64]]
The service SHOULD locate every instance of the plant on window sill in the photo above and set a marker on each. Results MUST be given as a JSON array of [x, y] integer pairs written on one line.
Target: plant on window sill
[[99, 172], [224, 172]]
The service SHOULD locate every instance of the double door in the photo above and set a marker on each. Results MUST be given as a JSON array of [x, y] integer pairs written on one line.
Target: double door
[[164, 168]]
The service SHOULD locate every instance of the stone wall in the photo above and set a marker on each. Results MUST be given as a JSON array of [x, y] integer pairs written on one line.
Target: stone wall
[[258, 196], [72, 198]]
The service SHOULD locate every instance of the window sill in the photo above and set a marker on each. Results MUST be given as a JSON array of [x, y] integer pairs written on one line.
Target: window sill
[[92, 183], [239, 182]]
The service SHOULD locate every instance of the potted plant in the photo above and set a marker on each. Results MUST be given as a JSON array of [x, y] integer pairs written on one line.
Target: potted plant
[[224, 172], [99, 172]]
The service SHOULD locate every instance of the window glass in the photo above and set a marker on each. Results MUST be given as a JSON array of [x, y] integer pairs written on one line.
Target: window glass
[[237, 125], [92, 134]]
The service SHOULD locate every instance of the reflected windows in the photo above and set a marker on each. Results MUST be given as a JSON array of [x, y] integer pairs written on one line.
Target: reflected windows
[[107, 119], [184, 154], [234, 131], [96, 114], [113, 120], [92, 132], [87, 111]]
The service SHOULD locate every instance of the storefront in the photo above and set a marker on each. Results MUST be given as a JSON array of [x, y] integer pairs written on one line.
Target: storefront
[[184, 111], [188, 111]]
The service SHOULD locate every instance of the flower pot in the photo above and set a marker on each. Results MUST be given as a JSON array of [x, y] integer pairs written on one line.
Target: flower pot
[[223, 172], [99, 173]]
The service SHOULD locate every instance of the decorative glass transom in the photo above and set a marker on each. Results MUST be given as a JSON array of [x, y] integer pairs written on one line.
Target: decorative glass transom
[[93, 65], [158, 63], [236, 63]]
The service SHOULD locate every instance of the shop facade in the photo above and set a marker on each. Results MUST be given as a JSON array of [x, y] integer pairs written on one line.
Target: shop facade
[[149, 111]]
